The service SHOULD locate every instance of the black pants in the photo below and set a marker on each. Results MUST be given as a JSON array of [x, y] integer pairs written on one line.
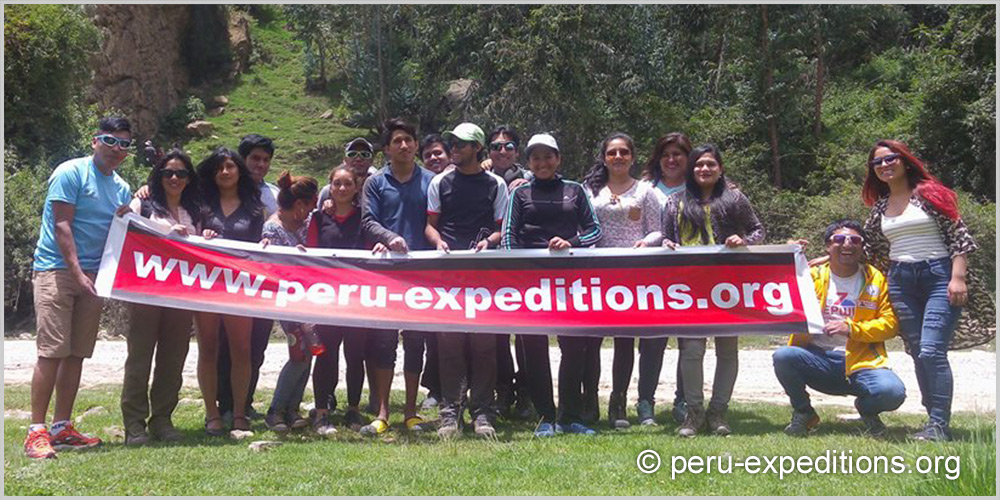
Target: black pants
[[538, 381], [260, 333], [575, 375], [468, 362], [326, 372], [650, 363], [431, 379], [511, 383]]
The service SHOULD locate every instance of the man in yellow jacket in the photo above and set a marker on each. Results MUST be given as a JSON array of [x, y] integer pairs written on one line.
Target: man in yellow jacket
[[849, 358]]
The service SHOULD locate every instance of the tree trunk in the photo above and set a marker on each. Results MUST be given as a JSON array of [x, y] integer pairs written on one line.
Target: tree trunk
[[382, 107], [820, 77], [772, 121], [721, 61]]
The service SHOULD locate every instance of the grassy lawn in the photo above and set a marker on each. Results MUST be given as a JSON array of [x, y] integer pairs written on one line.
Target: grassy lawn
[[270, 100], [515, 464]]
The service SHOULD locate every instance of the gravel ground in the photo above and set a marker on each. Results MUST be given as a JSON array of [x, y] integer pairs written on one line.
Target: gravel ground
[[975, 374]]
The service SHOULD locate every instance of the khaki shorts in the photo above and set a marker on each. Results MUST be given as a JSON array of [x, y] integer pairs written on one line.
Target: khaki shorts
[[66, 315]]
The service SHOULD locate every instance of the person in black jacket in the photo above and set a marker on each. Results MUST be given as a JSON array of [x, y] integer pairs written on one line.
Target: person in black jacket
[[554, 213]]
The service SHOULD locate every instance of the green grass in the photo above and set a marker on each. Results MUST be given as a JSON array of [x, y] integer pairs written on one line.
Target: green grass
[[515, 464], [270, 99]]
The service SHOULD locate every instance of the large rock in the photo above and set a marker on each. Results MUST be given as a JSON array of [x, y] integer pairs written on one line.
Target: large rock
[[139, 69], [199, 128], [240, 42]]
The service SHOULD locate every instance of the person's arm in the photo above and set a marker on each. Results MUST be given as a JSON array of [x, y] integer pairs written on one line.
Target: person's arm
[[958, 291], [876, 245], [433, 235], [512, 221], [63, 214], [652, 215], [372, 229], [590, 227], [499, 209], [669, 219], [754, 229], [882, 327]]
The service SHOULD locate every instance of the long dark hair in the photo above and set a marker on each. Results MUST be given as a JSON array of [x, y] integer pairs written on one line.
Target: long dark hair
[[651, 170], [190, 197], [597, 177], [247, 189], [722, 200], [357, 182], [920, 180]]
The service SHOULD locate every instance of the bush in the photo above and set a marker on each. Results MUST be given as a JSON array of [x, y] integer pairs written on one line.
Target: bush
[[186, 112]]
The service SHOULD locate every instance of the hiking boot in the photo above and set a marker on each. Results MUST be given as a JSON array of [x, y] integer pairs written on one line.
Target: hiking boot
[[484, 428], [322, 426], [694, 421], [802, 423], [353, 420], [275, 421], [616, 412], [295, 421], [136, 438], [69, 439], [38, 444], [646, 414], [523, 409], [874, 426], [168, 433], [448, 428], [679, 413], [717, 422], [933, 432]]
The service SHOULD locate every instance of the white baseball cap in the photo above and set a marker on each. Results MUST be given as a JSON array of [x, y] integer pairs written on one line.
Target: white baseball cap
[[541, 140]]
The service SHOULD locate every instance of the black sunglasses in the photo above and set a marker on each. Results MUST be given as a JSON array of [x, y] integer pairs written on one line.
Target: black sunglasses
[[508, 146], [180, 174], [112, 141], [889, 158]]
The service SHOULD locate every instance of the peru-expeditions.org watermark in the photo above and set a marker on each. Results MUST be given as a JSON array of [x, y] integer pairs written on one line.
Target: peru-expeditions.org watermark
[[831, 462]]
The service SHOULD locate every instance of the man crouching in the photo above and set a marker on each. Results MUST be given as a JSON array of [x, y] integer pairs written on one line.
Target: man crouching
[[849, 358]]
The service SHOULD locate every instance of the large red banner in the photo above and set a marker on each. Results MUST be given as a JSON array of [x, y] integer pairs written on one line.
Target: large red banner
[[651, 292]]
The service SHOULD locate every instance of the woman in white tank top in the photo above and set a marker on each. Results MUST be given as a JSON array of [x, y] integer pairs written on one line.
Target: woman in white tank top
[[915, 233]]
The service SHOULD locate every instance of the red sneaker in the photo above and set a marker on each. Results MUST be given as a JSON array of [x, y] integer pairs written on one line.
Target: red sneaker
[[38, 445], [70, 439]]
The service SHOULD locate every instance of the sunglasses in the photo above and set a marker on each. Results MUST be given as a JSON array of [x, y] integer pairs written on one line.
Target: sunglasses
[[888, 159], [840, 239], [505, 146], [180, 174], [354, 154], [112, 141]]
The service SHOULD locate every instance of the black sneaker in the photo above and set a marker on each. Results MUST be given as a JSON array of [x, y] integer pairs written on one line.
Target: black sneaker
[[647, 415], [353, 420], [874, 426], [933, 432], [322, 426]]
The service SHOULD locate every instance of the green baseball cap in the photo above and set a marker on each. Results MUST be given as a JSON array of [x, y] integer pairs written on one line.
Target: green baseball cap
[[469, 132]]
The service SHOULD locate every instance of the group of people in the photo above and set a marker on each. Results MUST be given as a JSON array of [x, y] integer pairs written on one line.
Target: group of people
[[903, 272]]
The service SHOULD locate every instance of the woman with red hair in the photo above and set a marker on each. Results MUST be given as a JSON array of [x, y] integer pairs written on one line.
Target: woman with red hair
[[915, 232]]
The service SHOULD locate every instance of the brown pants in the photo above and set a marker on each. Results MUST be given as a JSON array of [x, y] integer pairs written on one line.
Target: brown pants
[[168, 332]]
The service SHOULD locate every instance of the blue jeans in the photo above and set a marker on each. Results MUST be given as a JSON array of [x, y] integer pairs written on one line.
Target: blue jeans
[[877, 389], [919, 295], [290, 386]]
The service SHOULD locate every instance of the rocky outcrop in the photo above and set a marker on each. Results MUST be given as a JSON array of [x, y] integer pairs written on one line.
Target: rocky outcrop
[[139, 70]]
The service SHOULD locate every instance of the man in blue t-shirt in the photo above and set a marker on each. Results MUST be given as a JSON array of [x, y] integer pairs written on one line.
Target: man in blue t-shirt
[[84, 194], [394, 213]]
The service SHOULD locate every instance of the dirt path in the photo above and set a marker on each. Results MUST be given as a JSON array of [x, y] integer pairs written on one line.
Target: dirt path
[[975, 374]]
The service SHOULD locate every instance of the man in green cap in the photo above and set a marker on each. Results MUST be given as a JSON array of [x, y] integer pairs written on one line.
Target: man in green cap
[[465, 207]]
